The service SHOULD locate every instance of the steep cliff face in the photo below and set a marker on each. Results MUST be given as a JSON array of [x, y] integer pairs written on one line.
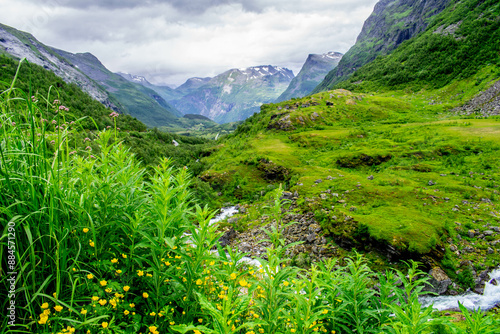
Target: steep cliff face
[[235, 94], [311, 74], [391, 23]]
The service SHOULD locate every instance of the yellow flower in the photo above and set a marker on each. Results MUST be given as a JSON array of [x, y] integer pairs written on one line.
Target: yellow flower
[[172, 323], [91, 243], [177, 257], [140, 273], [54, 294], [83, 311], [104, 325], [167, 263], [145, 295], [113, 302], [126, 312], [152, 314], [175, 247], [325, 311], [199, 282], [292, 330], [285, 283], [114, 260], [149, 275], [261, 330], [118, 272], [255, 315], [95, 298], [43, 319], [132, 305], [103, 283], [196, 331], [124, 256], [108, 290], [102, 302], [200, 320], [152, 328], [45, 305], [243, 282], [58, 308], [85, 230], [126, 288], [232, 276], [90, 276]]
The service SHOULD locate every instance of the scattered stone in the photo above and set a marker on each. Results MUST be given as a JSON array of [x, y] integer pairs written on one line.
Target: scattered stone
[[442, 174], [314, 115], [227, 237], [311, 237], [370, 177], [323, 196], [490, 250], [493, 282], [318, 181], [471, 233], [453, 248], [286, 195], [495, 228], [431, 183], [488, 232], [244, 247], [175, 143], [352, 208]]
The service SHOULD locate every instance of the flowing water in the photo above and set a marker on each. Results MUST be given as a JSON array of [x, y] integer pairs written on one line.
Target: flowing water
[[470, 300]]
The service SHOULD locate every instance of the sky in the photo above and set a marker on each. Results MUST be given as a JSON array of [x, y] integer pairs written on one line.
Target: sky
[[169, 41]]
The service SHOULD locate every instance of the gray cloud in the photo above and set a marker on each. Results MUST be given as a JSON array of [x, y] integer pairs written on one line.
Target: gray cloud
[[170, 41]]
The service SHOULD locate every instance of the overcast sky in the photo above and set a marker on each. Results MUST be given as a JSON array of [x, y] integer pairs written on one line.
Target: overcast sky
[[169, 41]]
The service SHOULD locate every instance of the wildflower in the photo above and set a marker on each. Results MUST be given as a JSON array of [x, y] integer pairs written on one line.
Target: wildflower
[[108, 290], [152, 314], [243, 282], [285, 283], [114, 114], [83, 311], [88, 148], [95, 298], [212, 263], [149, 275], [58, 308], [177, 257], [232, 276], [103, 283], [196, 331], [140, 273], [118, 272], [91, 243], [126, 312], [172, 323], [145, 295], [104, 325], [199, 282], [102, 302], [152, 328], [113, 302], [54, 294], [43, 319], [85, 230], [292, 330], [167, 263], [325, 311], [261, 330], [132, 305], [124, 256], [126, 288], [45, 305], [200, 320]]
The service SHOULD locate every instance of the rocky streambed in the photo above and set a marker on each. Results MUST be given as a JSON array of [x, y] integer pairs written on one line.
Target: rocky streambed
[[315, 246]]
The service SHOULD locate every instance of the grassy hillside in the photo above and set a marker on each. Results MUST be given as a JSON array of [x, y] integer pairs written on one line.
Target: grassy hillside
[[460, 42], [389, 169]]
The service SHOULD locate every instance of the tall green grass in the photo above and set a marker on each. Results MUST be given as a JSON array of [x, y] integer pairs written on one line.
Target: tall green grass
[[104, 245]]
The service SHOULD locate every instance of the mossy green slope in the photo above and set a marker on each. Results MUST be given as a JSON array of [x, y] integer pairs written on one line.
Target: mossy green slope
[[390, 169]]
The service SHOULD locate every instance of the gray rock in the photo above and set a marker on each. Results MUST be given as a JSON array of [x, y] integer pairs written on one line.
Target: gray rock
[[286, 195], [370, 177], [491, 250], [431, 183], [245, 247], [471, 233], [439, 281], [488, 232], [495, 228], [453, 248], [318, 181], [227, 237], [311, 237]]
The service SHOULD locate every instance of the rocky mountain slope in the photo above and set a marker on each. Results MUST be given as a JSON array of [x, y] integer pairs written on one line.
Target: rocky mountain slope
[[86, 71], [311, 74], [391, 23], [235, 94], [23, 45]]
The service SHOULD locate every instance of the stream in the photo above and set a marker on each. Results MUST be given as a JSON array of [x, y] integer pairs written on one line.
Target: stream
[[489, 299]]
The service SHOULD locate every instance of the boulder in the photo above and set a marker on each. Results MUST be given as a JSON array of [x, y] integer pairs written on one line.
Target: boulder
[[439, 281]]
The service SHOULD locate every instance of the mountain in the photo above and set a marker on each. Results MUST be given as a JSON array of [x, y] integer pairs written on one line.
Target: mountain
[[139, 101], [23, 45], [391, 23], [86, 71], [191, 85], [167, 93], [235, 94], [311, 74]]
